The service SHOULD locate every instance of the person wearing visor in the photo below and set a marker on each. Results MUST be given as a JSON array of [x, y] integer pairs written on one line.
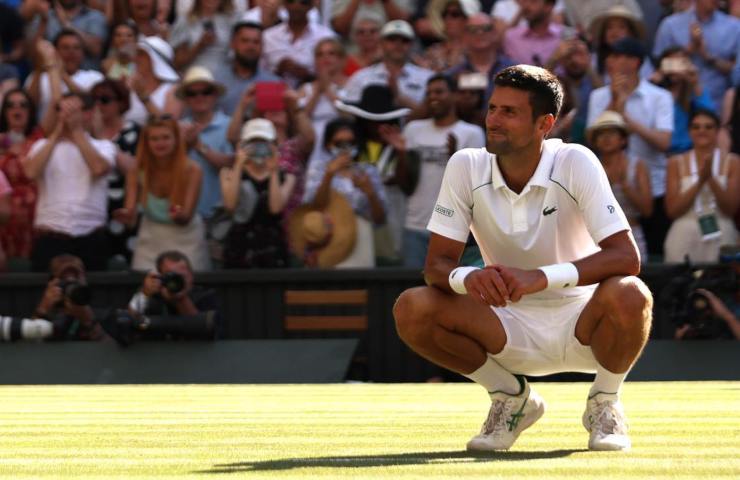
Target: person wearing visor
[[255, 191]]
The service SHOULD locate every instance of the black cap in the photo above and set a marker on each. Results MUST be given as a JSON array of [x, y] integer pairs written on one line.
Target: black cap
[[628, 46]]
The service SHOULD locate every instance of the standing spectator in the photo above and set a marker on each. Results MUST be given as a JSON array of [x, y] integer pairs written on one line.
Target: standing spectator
[[202, 38], [449, 18], [628, 175], [482, 52], [18, 131], [406, 80], [5, 191], [336, 170], [318, 97], [289, 46], [609, 27], [648, 112], [66, 59], [166, 185], [535, 42], [711, 37], [269, 13], [204, 129], [150, 19], [70, 168], [111, 100], [345, 12], [366, 37], [702, 195], [89, 25], [680, 77], [243, 69], [154, 83], [119, 63], [256, 191], [432, 141]]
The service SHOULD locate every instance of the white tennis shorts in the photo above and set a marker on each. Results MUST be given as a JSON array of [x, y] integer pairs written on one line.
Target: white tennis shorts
[[540, 337]]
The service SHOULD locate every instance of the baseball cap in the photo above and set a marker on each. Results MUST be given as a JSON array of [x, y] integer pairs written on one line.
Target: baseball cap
[[399, 28], [258, 128]]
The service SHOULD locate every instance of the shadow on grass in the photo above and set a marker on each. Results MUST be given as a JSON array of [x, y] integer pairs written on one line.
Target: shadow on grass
[[412, 458]]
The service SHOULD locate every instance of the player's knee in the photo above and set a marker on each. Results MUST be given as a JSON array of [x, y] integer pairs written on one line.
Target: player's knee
[[631, 303], [408, 313]]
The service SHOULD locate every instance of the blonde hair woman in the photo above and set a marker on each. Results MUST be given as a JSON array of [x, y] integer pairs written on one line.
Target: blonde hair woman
[[164, 185]]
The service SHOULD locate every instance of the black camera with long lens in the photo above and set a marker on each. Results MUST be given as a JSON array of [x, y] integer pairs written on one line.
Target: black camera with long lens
[[77, 293], [173, 282], [126, 327]]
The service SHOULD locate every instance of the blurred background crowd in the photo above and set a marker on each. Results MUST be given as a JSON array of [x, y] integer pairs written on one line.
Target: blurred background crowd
[[271, 134]]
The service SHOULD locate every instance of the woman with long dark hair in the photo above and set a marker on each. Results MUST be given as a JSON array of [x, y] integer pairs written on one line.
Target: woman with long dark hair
[[18, 131]]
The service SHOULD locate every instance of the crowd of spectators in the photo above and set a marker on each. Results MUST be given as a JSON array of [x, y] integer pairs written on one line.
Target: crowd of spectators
[[216, 127]]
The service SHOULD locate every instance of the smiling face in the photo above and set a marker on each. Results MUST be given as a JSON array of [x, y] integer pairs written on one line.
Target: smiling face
[[161, 141], [439, 98], [703, 131], [200, 97], [510, 125], [17, 111]]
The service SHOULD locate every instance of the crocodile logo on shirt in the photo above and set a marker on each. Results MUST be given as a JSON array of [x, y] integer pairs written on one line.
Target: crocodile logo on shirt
[[547, 211]]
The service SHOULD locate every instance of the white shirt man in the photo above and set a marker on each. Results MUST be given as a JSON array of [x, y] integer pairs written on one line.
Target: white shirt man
[[279, 43], [411, 81]]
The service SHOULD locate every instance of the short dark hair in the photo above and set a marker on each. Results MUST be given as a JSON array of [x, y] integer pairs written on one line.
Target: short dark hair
[[706, 113], [451, 82], [245, 24], [339, 123], [172, 256], [545, 90], [119, 89], [66, 32]]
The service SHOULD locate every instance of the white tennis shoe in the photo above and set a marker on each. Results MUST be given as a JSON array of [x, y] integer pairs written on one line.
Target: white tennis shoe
[[605, 420], [509, 416]]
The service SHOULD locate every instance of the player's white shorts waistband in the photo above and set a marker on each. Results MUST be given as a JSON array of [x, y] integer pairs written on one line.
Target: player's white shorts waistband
[[540, 337]]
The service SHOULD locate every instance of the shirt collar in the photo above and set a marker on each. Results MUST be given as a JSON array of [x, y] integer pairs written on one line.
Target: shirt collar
[[552, 31], [541, 177]]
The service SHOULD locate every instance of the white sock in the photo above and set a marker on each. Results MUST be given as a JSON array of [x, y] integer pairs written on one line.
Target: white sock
[[494, 378], [607, 382]]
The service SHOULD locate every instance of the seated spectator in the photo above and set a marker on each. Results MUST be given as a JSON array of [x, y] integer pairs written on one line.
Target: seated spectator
[[243, 70], [289, 46], [448, 18], [18, 131], [680, 77], [202, 37], [111, 100], [65, 58], [628, 175], [344, 13], [609, 27], [70, 168], [255, 191], [702, 195], [366, 37], [154, 83], [169, 289], [336, 170], [204, 129], [165, 184], [65, 302], [73, 15], [119, 62], [712, 39]]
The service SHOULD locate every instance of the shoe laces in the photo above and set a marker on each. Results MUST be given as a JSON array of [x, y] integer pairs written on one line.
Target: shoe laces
[[498, 417], [609, 418]]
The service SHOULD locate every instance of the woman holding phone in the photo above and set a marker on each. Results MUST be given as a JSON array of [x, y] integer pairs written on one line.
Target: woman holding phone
[[164, 185], [203, 36], [256, 191]]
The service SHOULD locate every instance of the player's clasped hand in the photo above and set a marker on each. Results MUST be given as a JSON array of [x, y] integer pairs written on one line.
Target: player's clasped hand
[[497, 284]]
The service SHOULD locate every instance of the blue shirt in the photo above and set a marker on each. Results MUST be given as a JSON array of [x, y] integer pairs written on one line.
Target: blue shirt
[[235, 85], [722, 39], [90, 21], [680, 140], [214, 138]]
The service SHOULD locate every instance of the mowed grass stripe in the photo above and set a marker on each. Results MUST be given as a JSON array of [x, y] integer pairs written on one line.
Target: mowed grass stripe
[[679, 430]]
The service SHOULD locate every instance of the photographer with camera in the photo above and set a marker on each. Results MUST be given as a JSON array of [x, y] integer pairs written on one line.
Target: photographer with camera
[[703, 300], [66, 301]]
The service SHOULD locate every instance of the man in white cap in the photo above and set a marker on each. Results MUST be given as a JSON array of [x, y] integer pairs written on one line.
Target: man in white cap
[[204, 129], [406, 80]]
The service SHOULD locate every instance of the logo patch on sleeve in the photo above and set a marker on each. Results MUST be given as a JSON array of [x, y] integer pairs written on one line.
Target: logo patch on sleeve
[[610, 208], [447, 212]]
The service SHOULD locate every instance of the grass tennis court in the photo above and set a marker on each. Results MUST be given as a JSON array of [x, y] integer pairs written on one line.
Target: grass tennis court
[[679, 430]]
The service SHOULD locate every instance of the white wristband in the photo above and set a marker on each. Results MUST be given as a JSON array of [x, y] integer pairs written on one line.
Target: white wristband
[[457, 279], [560, 275]]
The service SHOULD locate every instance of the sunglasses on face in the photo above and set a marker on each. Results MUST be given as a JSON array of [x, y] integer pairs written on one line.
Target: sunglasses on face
[[21, 104], [103, 99], [206, 92], [452, 14], [396, 38], [478, 29]]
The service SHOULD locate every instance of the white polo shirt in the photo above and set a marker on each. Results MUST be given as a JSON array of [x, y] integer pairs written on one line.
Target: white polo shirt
[[412, 82], [561, 215], [278, 43]]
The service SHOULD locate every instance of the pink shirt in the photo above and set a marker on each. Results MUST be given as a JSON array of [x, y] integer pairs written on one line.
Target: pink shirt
[[5, 187], [525, 46]]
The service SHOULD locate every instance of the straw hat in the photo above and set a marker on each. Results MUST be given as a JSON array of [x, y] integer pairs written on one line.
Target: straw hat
[[596, 27], [376, 104], [436, 7], [323, 238], [161, 54], [607, 119], [198, 74]]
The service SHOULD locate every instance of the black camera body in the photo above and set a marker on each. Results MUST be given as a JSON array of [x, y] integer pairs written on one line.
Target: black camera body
[[173, 282], [76, 292], [126, 327]]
